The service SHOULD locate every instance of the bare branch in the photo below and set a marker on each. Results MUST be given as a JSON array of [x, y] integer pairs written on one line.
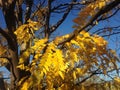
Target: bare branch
[[104, 18], [19, 12], [99, 31], [73, 3], [94, 73], [9, 14], [54, 27], [114, 33], [29, 4], [47, 30]]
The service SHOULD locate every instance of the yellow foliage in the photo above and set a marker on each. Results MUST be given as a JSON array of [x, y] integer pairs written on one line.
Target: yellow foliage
[[117, 79], [53, 66], [32, 24], [74, 75], [59, 64], [60, 38], [23, 57], [25, 86], [21, 66], [90, 10], [39, 45], [100, 41], [61, 75], [25, 31], [3, 61]]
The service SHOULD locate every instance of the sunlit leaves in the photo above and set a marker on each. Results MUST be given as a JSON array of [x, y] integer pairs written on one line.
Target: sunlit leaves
[[39, 45], [99, 40], [61, 75], [26, 31], [23, 58], [73, 61], [56, 66], [3, 61], [89, 11], [117, 79], [26, 84], [61, 38], [68, 63]]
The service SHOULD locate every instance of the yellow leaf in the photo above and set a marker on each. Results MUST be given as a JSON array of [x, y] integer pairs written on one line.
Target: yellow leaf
[[44, 71], [33, 24], [117, 79], [61, 75], [101, 4], [21, 61], [74, 42], [3, 61], [24, 56], [83, 87], [35, 28], [25, 86], [86, 34], [21, 66], [46, 67], [74, 75], [83, 32], [100, 41]]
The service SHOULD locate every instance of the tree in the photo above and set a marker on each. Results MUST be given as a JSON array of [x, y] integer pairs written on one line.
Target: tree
[[36, 61]]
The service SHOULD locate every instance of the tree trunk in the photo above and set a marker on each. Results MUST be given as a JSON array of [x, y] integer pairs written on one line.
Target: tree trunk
[[13, 68], [2, 85]]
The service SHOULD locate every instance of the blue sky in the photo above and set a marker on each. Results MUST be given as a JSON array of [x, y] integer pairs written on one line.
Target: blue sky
[[66, 26], [2, 22]]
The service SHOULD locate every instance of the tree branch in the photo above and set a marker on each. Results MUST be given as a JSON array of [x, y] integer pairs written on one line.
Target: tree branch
[[99, 31], [29, 4], [19, 11], [10, 16], [93, 73], [2, 84], [104, 18], [47, 29], [8, 38], [13, 61], [70, 4], [114, 33], [54, 27]]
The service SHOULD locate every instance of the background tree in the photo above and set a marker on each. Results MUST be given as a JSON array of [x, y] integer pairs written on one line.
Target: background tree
[[30, 54]]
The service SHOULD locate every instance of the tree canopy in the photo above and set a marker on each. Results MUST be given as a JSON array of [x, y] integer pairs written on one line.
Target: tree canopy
[[39, 60]]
